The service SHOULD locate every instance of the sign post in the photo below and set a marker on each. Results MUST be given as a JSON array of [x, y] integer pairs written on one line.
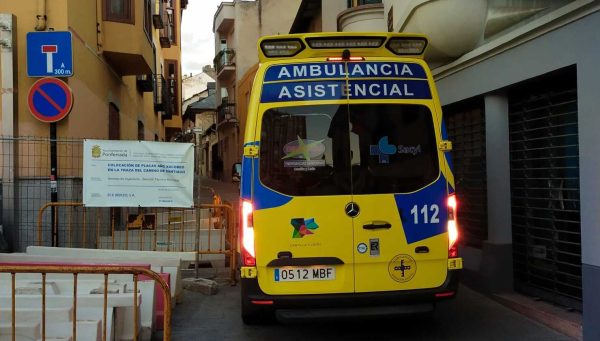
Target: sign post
[[50, 100], [50, 54], [53, 182]]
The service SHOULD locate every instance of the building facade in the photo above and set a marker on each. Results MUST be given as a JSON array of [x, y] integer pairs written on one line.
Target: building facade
[[237, 26], [126, 85], [126, 77], [518, 85]]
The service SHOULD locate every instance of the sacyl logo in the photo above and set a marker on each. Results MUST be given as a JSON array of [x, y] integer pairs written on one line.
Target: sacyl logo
[[384, 149]]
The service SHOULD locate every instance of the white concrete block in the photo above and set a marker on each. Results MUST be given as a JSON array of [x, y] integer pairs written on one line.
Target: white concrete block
[[24, 331], [22, 314]]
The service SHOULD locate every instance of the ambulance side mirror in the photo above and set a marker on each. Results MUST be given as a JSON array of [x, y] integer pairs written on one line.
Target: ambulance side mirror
[[445, 145]]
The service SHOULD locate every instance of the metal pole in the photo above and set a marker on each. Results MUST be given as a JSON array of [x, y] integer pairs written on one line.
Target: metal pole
[[8, 115], [53, 181]]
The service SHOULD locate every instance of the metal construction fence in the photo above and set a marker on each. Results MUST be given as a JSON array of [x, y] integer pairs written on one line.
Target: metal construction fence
[[205, 229], [29, 216], [32, 307]]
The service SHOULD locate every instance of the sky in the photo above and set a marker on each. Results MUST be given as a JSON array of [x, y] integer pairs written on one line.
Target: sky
[[198, 42]]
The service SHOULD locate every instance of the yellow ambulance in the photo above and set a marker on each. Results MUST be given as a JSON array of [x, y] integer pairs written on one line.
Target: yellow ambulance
[[347, 192]]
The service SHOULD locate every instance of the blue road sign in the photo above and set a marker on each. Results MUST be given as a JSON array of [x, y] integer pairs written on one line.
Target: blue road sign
[[50, 100], [49, 54]]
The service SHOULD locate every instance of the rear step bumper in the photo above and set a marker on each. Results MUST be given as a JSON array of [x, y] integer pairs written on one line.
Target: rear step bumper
[[328, 304], [327, 314]]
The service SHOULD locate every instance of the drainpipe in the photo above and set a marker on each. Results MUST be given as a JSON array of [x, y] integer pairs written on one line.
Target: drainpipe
[[41, 16]]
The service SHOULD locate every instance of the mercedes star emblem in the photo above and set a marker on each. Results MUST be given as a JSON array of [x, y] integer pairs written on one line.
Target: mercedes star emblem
[[352, 210]]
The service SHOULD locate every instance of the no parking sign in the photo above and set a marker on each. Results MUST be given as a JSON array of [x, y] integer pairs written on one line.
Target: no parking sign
[[50, 100]]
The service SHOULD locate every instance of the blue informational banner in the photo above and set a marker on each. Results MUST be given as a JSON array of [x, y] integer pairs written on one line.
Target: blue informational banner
[[49, 54], [337, 80], [355, 89], [306, 71]]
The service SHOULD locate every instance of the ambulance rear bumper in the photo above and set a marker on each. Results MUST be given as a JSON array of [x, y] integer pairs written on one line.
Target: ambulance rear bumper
[[406, 302]]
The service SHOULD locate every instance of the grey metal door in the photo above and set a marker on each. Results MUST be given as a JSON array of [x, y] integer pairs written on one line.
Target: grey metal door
[[544, 173]]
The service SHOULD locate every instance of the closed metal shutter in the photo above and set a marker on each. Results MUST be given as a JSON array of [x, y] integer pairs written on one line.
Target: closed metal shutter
[[466, 130], [544, 173]]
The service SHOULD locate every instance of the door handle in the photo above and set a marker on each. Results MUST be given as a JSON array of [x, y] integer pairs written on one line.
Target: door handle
[[421, 249], [375, 225]]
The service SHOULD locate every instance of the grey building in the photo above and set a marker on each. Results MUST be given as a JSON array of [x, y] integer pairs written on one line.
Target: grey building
[[519, 85]]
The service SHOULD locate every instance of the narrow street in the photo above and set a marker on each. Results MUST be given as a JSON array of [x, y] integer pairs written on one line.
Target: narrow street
[[471, 316]]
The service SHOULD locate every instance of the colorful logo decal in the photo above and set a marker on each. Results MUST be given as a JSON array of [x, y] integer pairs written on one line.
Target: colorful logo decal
[[304, 154], [96, 151], [304, 149], [303, 227], [384, 149], [402, 268]]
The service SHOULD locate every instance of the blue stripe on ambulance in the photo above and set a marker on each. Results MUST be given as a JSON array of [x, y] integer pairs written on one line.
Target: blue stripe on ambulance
[[337, 70], [245, 183], [263, 197], [338, 89], [410, 208], [448, 156]]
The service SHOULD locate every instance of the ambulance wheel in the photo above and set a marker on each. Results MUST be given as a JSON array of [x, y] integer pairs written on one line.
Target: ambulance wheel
[[251, 315]]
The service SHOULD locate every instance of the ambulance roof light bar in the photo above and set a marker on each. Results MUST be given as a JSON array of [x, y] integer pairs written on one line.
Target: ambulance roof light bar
[[407, 45], [344, 42], [282, 48]]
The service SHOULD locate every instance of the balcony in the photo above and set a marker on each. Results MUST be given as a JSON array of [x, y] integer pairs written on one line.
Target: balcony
[[145, 83], [225, 63], [463, 26], [226, 113], [224, 18], [167, 33], [157, 16], [125, 43], [163, 101], [362, 16]]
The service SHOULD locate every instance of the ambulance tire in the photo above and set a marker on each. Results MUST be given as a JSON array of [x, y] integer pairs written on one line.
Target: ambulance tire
[[251, 315]]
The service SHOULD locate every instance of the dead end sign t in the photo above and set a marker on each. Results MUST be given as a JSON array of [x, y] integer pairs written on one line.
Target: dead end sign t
[[50, 100]]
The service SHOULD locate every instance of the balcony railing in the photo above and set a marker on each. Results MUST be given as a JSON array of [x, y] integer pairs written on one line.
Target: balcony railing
[[163, 101], [223, 59], [226, 112]]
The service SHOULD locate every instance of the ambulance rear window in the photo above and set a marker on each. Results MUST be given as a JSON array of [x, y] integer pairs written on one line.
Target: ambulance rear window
[[348, 149], [302, 150]]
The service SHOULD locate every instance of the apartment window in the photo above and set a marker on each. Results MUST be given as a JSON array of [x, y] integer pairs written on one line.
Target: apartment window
[[148, 19], [173, 84], [114, 122], [171, 22], [119, 11]]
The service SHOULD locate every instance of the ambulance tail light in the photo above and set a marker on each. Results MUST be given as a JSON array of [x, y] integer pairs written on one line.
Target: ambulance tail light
[[281, 48], [407, 46], [247, 234], [452, 227]]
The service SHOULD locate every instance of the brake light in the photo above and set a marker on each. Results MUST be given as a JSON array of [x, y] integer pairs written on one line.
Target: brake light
[[452, 227], [247, 233]]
